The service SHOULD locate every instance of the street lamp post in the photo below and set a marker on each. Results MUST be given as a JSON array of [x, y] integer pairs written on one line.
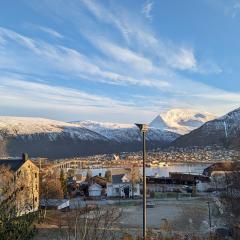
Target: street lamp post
[[143, 128]]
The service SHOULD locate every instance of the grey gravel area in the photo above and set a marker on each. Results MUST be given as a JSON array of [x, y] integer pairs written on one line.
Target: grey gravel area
[[184, 215]]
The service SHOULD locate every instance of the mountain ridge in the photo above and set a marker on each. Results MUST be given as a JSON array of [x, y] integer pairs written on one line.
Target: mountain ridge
[[223, 131], [55, 139]]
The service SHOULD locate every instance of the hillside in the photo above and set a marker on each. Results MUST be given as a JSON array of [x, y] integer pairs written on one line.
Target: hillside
[[126, 133], [54, 139], [224, 131]]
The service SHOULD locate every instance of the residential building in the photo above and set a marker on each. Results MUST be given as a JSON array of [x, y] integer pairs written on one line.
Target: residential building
[[99, 180], [26, 182], [121, 186]]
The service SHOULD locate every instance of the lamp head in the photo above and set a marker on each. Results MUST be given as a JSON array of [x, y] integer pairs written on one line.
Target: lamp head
[[142, 127]]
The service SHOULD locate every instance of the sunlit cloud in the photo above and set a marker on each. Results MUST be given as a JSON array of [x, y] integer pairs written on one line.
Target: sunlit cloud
[[139, 70]]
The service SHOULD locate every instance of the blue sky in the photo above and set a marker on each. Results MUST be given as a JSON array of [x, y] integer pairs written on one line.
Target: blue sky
[[121, 61]]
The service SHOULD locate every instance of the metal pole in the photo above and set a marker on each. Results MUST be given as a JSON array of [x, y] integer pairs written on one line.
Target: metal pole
[[143, 129], [210, 220], [144, 189]]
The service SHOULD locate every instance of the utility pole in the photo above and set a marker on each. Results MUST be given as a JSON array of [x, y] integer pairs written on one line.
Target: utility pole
[[143, 128]]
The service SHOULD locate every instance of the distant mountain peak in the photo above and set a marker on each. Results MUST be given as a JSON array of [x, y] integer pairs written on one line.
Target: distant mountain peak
[[158, 122], [223, 131], [122, 132], [181, 120]]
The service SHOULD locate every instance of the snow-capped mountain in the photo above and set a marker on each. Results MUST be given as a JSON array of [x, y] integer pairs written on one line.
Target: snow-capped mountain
[[55, 139], [114, 131], [223, 131], [126, 132], [33, 127], [181, 121], [47, 138]]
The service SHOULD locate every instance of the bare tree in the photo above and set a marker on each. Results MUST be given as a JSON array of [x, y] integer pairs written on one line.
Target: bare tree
[[135, 177], [50, 188], [88, 223], [108, 175], [230, 198], [89, 174], [13, 224]]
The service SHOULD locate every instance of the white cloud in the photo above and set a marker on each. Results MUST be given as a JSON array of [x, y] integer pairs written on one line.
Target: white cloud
[[235, 10], [109, 17], [69, 60], [66, 102], [230, 8], [176, 57], [124, 55], [208, 67], [134, 31], [48, 30], [144, 59], [147, 9], [39, 95], [184, 59], [72, 62]]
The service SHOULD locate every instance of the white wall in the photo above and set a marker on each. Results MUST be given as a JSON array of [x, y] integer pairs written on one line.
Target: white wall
[[95, 190], [113, 192]]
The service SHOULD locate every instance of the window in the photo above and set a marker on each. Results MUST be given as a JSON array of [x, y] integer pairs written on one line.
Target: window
[[36, 199], [35, 175]]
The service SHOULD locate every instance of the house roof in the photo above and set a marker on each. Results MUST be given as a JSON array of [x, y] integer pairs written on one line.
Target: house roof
[[13, 164], [117, 171], [117, 178], [99, 180], [222, 166]]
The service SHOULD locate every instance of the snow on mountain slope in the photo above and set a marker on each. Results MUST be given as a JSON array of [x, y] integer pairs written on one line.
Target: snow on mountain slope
[[229, 124], [223, 131], [126, 132], [181, 121], [55, 139], [113, 131], [30, 127]]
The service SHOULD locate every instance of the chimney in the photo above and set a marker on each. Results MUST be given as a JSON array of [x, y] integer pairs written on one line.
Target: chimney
[[24, 157]]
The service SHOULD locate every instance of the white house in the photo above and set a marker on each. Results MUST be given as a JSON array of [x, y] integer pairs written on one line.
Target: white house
[[217, 181], [95, 190], [121, 186]]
